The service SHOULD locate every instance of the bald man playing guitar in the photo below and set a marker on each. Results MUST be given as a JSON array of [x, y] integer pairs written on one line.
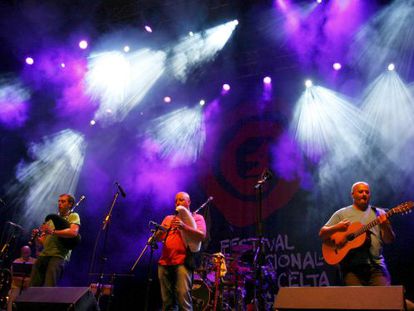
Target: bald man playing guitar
[[358, 248]]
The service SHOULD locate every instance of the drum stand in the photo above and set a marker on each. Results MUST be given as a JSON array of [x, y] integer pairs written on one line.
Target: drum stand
[[236, 291], [217, 288]]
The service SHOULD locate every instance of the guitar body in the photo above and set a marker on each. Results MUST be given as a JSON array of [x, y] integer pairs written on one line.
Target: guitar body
[[333, 254], [356, 235], [61, 223]]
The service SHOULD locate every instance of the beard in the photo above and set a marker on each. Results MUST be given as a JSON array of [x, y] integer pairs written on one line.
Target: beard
[[362, 203]]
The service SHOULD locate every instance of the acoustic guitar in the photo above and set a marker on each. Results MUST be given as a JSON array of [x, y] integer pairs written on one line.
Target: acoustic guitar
[[355, 235]]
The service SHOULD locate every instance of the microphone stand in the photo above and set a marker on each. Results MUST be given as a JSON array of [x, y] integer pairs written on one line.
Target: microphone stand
[[5, 248], [152, 243], [105, 228], [259, 255]]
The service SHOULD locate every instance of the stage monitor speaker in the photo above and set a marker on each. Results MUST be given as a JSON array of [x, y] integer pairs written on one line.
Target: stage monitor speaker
[[56, 299], [340, 298]]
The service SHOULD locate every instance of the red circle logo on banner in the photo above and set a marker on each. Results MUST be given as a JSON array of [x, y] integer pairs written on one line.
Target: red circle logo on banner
[[239, 159]]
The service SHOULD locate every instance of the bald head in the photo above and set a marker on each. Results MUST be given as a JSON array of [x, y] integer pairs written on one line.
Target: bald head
[[25, 252], [361, 194], [183, 199], [358, 183]]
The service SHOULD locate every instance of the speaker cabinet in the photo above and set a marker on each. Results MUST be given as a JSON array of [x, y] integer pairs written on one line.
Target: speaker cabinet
[[340, 298], [56, 299]]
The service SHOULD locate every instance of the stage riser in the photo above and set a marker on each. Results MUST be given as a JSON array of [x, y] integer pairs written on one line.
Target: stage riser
[[340, 298]]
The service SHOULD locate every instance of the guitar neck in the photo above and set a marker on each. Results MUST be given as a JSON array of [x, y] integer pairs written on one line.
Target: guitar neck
[[370, 225]]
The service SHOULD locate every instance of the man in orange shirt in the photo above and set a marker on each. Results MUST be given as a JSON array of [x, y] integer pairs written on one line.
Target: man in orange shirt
[[174, 275]]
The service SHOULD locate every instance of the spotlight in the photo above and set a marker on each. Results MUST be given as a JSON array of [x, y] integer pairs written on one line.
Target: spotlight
[[126, 49], [308, 83], [148, 29], [267, 80], [92, 122], [267, 91], [391, 67], [226, 87], [319, 1], [29, 61], [191, 34], [62, 65], [337, 66], [202, 102], [83, 44], [167, 99]]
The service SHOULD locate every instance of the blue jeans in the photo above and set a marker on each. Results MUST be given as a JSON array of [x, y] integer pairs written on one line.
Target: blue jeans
[[47, 271], [176, 283]]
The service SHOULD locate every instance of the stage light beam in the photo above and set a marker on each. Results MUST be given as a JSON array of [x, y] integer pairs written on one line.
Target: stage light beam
[[56, 167], [202, 47], [389, 107], [325, 122], [389, 35], [180, 135], [120, 81]]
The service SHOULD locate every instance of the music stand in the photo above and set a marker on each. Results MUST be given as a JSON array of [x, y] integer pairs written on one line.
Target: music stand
[[23, 270]]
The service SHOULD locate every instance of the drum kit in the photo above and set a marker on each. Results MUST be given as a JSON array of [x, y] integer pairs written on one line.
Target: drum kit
[[224, 282]]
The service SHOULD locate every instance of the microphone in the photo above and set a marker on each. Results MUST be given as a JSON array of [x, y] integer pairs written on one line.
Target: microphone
[[15, 225], [204, 204], [120, 189], [80, 200], [158, 226], [266, 175]]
